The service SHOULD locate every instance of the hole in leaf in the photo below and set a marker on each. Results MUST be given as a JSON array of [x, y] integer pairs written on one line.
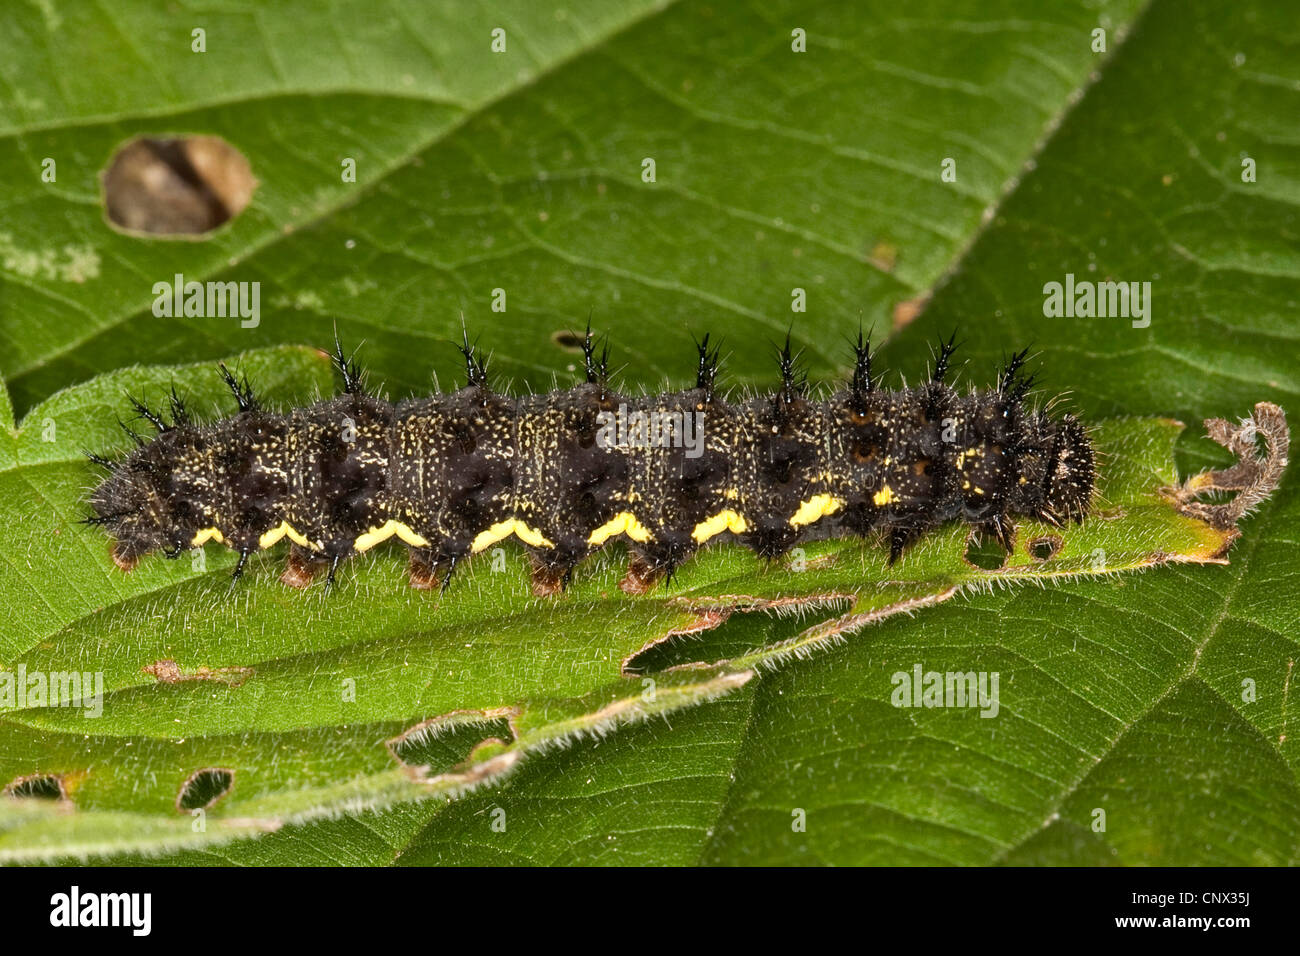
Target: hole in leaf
[[738, 634], [1044, 549], [444, 743], [185, 186], [204, 788], [38, 786], [985, 552], [569, 341]]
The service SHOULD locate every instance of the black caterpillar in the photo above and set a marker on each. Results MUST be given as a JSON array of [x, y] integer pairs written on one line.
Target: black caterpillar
[[454, 473]]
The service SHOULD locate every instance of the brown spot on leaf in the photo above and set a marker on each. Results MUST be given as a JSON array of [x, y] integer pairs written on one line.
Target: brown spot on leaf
[[169, 672], [884, 256], [907, 310]]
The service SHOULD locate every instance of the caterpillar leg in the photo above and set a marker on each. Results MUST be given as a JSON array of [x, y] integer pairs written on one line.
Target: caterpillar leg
[[244, 554], [899, 539], [551, 574], [771, 542], [430, 568], [123, 557], [300, 568], [548, 581], [642, 576], [423, 569], [335, 560], [1002, 528], [651, 566]]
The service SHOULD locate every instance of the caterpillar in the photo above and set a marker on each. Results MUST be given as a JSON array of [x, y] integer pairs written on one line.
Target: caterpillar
[[452, 474]]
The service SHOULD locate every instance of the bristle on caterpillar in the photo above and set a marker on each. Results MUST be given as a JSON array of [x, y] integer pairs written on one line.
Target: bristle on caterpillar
[[453, 474]]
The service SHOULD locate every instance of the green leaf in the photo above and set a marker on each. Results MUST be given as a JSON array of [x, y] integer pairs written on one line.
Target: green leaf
[[775, 171]]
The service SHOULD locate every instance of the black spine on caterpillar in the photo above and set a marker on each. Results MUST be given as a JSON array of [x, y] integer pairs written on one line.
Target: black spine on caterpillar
[[455, 473]]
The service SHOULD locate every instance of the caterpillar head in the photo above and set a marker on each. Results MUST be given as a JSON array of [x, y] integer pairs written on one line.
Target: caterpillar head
[[1069, 486], [1057, 478]]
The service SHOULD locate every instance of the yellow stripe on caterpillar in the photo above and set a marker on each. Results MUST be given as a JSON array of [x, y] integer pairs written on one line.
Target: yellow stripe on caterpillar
[[275, 534], [722, 521], [622, 523], [206, 535], [814, 509], [884, 496], [385, 531], [504, 529], [269, 538]]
